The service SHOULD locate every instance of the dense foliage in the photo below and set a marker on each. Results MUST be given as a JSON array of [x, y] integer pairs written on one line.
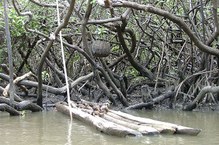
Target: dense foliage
[[161, 44]]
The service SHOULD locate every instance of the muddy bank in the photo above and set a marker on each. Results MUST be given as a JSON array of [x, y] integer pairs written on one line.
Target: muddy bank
[[136, 95], [161, 100]]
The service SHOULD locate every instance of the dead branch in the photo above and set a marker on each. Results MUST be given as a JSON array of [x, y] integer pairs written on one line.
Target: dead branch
[[18, 79]]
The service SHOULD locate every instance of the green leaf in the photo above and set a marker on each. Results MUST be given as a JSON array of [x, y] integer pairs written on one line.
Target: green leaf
[[93, 1]]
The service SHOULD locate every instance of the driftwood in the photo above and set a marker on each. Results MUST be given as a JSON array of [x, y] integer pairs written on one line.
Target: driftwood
[[121, 124]]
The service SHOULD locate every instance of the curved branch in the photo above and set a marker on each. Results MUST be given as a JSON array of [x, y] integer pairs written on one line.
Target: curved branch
[[144, 71], [45, 53], [30, 16], [200, 96], [171, 17]]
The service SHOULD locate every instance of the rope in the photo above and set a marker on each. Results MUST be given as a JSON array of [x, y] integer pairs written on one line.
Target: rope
[[63, 59]]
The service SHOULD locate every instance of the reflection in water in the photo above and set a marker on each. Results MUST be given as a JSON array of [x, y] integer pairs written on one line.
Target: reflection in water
[[53, 128], [69, 136]]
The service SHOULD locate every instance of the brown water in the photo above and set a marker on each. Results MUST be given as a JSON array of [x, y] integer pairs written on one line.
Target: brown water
[[54, 128]]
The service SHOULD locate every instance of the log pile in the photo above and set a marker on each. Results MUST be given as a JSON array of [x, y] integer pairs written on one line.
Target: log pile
[[118, 123], [14, 108]]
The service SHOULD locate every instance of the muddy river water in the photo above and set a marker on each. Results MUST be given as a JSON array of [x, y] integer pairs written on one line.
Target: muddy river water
[[54, 128]]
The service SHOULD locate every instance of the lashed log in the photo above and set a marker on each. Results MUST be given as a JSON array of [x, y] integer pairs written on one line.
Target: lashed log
[[99, 123], [145, 130], [178, 128], [137, 125], [159, 128]]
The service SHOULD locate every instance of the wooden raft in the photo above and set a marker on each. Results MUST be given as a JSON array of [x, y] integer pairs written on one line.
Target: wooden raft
[[122, 124]]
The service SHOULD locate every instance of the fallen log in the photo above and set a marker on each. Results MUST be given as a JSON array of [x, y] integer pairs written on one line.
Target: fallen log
[[121, 124], [9, 109], [149, 105], [20, 106]]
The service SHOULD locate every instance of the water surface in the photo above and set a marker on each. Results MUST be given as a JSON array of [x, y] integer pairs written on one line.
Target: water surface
[[54, 128]]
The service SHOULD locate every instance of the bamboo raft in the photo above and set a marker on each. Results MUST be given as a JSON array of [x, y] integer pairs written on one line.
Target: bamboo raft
[[118, 123]]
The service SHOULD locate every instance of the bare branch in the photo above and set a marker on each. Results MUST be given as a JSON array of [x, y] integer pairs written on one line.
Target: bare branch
[[171, 17]]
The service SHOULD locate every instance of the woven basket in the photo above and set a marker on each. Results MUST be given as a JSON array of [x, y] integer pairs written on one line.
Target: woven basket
[[100, 48]]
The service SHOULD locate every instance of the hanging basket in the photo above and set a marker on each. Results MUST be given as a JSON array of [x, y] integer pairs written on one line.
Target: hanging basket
[[100, 48]]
